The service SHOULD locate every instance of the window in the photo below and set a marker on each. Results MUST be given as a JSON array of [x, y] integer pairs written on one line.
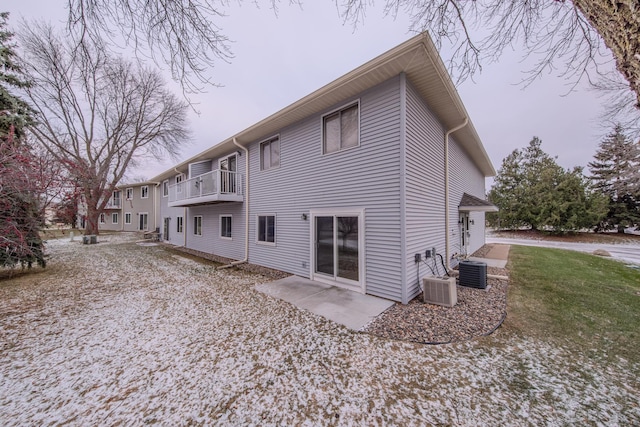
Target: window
[[179, 224], [225, 226], [102, 220], [165, 188], [114, 218], [267, 228], [270, 154], [340, 130], [144, 191], [127, 218], [197, 225], [129, 193], [179, 179]]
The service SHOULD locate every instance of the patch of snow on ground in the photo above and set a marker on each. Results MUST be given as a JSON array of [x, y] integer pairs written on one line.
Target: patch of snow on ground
[[124, 334]]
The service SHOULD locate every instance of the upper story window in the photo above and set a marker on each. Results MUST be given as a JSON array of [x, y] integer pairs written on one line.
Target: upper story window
[[165, 188], [341, 129], [270, 153], [129, 193], [144, 191]]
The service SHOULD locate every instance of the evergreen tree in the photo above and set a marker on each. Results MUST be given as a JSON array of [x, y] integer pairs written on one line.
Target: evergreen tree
[[615, 173], [532, 190], [20, 213]]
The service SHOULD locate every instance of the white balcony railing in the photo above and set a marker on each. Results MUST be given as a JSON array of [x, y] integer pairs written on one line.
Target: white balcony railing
[[113, 203], [215, 186]]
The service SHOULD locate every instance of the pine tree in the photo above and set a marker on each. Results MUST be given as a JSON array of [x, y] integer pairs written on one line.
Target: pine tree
[[20, 213], [615, 173], [532, 190]]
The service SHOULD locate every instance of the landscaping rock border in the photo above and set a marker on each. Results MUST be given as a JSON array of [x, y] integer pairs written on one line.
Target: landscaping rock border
[[478, 312]]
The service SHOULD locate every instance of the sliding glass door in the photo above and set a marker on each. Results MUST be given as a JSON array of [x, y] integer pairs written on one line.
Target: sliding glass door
[[337, 243]]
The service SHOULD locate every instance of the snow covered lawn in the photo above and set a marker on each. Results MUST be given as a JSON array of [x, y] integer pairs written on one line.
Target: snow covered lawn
[[122, 334]]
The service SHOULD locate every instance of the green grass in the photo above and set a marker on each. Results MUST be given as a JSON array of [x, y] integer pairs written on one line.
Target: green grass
[[576, 298]]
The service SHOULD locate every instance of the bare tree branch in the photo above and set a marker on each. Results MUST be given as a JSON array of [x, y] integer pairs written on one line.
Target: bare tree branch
[[96, 112], [562, 35]]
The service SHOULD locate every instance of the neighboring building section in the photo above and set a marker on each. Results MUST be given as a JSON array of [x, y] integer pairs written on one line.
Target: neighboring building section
[[131, 207]]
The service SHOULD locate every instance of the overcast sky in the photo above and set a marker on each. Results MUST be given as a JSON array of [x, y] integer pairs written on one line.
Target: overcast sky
[[280, 59]]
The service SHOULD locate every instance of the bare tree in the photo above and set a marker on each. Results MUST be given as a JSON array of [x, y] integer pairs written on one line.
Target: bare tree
[[96, 113], [568, 33]]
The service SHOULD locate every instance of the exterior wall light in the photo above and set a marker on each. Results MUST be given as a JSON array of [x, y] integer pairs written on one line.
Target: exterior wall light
[[304, 217]]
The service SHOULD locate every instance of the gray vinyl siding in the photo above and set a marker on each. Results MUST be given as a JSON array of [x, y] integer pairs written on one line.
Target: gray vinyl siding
[[424, 188], [136, 205], [425, 218], [175, 238], [465, 177], [108, 222], [210, 241], [363, 177], [199, 168]]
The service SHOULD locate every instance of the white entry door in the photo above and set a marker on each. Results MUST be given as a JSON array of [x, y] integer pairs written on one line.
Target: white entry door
[[338, 248]]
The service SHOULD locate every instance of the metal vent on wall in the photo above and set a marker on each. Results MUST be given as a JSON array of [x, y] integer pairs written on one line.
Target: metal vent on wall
[[441, 291], [473, 274]]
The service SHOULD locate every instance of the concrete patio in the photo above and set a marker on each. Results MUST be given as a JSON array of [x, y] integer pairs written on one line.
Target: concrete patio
[[348, 308]]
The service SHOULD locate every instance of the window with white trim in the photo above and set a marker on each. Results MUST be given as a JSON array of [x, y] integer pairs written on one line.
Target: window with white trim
[[127, 217], [266, 229], [144, 191], [129, 193], [197, 225], [114, 218], [341, 129], [102, 219], [165, 188], [270, 153], [225, 226], [179, 224]]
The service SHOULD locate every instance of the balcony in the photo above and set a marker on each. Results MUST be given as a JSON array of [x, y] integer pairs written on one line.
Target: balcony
[[212, 187], [113, 203]]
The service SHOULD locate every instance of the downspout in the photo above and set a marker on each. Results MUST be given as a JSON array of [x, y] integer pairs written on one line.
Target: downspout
[[184, 218], [446, 189], [246, 209], [155, 219]]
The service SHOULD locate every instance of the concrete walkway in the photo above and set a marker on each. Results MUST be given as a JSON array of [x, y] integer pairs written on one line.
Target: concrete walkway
[[349, 308], [497, 256]]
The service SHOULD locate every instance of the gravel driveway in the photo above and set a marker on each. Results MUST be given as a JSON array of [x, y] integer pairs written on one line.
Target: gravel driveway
[[120, 334]]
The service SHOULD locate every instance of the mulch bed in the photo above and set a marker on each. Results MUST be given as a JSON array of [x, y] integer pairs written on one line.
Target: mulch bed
[[478, 312]]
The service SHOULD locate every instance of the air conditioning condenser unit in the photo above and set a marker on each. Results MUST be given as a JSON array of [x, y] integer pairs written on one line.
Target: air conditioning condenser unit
[[440, 290]]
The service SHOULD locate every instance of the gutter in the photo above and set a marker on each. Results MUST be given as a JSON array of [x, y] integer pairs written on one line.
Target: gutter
[[446, 190], [155, 196], [246, 209]]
